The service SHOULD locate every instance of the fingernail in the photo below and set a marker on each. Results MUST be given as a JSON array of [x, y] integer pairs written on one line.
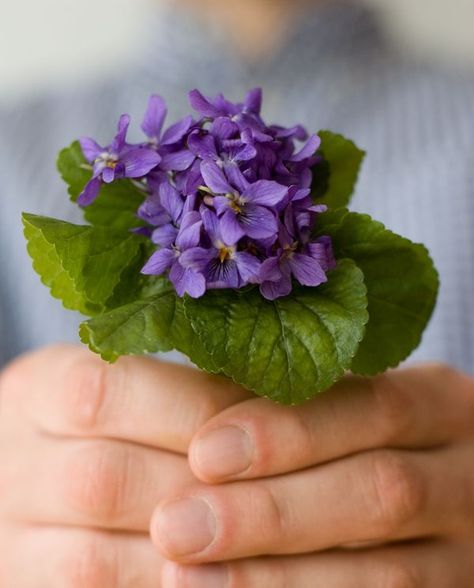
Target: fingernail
[[207, 576], [223, 452], [186, 526]]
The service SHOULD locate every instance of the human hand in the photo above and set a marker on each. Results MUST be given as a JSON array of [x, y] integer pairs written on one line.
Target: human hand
[[370, 485], [86, 450]]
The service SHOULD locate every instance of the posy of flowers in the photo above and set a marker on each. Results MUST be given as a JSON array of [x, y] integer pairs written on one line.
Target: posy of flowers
[[230, 241]]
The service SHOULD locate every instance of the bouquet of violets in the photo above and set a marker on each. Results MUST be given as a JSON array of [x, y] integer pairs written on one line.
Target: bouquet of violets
[[230, 240]]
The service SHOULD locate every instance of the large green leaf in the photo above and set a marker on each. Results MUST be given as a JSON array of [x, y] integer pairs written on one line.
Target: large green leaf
[[117, 204], [334, 178], [156, 323], [289, 349], [82, 265], [402, 285]]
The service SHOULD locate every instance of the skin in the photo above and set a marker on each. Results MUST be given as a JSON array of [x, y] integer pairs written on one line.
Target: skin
[[255, 28], [370, 484]]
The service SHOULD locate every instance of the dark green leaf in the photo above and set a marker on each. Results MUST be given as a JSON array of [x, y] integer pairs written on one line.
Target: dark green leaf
[[132, 282], [188, 342], [140, 327], [82, 265], [117, 204], [334, 179], [157, 323], [402, 285], [289, 349]]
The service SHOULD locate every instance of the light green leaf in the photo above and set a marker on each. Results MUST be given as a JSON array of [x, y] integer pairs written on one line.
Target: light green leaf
[[289, 349], [117, 203], [82, 265], [402, 286], [74, 169], [334, 179]]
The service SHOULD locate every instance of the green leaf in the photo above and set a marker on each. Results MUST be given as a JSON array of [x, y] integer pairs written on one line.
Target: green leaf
[[116, 206], [289, 349], [402, 286], [117, 203], [132, 282], [186, 340], [334, 179], [74, 169], [156, 323], [140, 327], [82, 265]]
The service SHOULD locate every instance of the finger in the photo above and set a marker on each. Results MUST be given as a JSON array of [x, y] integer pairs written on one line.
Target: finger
[[49, 557], [67, 390], [418, 407], [376, 496], [100, 483], [430, 565]]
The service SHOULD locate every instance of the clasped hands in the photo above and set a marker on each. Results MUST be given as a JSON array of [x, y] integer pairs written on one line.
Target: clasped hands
[[368, 486]]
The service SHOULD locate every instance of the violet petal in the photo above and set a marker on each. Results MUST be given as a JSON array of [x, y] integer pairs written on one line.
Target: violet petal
[[138, 162], [203, 146], [90, 192], [165, 235], [171, 201], [159, 262], [202, 105], [215, 178], [177, 161], [90, 148], [307, 270], [154, 117], [175, 133], [248, 266], [231, 229], [265, 192]]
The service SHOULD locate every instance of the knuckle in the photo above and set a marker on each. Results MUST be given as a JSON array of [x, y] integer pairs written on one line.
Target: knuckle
[[392, 407], [92, 564], [443, 371], [89, 383], [209, 406], [398, 491], [98, 482], [271, 515], [460, 385], [398, 575]]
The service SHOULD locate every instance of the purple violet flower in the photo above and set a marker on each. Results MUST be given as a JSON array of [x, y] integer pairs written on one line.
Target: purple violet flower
[[222, 265], [307, 264], [245, 116], [117, 160], [219, 106], [247, 209], [227, 197], [173, 155], [184, 279], [233, 151]]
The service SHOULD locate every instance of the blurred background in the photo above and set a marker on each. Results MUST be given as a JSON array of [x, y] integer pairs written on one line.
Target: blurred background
[[70, 67], [44, 43]]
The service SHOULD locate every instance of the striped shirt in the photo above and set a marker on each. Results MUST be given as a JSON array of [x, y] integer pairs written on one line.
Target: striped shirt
[[335, 70]]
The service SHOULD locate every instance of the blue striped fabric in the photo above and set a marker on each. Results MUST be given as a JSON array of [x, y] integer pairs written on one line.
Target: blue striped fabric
[[335, 70]]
